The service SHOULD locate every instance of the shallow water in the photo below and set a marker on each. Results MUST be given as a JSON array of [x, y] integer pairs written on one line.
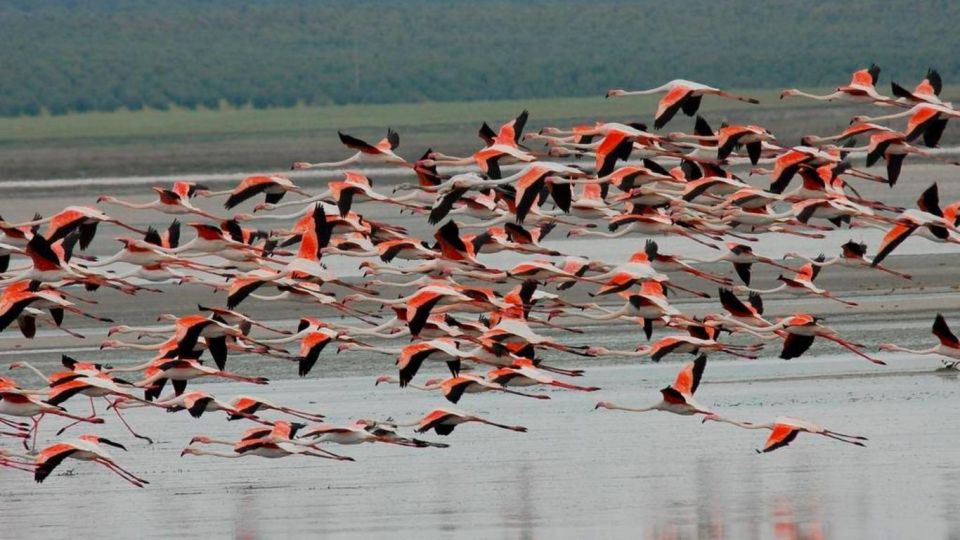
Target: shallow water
[[576, 473]]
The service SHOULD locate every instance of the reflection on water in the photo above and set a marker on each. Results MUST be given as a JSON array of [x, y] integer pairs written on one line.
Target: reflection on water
[[577, 473]]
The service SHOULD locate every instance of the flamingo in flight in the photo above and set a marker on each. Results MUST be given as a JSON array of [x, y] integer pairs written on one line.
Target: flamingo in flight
[[678, 397], [679, 95], [862, 89], [784, 430], [949, 345], [382, 152], [83, 448]]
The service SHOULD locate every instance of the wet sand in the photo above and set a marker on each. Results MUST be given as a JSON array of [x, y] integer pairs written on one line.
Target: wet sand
[[577, 472]]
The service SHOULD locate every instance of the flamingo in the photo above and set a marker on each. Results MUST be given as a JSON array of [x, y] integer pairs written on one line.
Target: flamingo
[[678, 397], [927, 91], [862, 89], [83, 448], [803, 280], [949, 345], [680, 94], [444, 420], [251, 405], [853, 254], [784, 430], [75, 218], [382, 152], [453, 388], [169, 201]]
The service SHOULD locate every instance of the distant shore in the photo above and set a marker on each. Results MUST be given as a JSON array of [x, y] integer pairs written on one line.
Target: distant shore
[[206, 141]]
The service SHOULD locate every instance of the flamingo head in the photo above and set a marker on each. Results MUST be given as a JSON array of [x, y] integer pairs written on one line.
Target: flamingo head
[[110, 344], [104, 198], [576, 231], [883, 347], [616, 92], [594, 351], [299, 165], [603, 405], [383, 379], [560, 151], [789, 93], [120, 328], [263, 206]]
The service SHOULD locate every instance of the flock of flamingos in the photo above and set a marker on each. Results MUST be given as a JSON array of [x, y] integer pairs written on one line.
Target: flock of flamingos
[[488, 325]]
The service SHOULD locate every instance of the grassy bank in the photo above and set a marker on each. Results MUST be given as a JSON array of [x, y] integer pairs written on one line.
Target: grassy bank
[[181, 141]]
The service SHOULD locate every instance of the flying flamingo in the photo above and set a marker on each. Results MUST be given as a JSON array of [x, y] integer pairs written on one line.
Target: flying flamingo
[[382, 152], [453, 388], [168, 202], [949, 345], [251, 405], [444, 420], [927, 91], [678, 397], [802, 281], [680, 94], [784, 430], [862, 89], [853, 254], [83, 448]]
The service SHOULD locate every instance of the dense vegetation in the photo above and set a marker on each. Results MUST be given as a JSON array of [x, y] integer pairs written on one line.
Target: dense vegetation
[[73, 55]]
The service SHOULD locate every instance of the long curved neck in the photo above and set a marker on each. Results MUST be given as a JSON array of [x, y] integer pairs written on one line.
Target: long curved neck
[[280, 217], [656, 90], [826, 97], [308, 200], [140, 346], [128, 204], [331, 164], [762, 332], [33, 368], [624, 231], [907, 112], [198, 452], [382, 350], [764, 291], [932, 350], [744, 425], [616, 407], [279, 296]]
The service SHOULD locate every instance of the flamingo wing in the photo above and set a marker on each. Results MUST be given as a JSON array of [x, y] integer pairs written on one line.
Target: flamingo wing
[[892, 239], [780, 436], [688, 379], [795, 345], [943, 333]]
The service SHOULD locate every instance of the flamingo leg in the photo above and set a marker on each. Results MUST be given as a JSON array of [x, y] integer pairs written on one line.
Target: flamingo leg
[[122, 473], [855, 350], [130, 429], [93, 414]]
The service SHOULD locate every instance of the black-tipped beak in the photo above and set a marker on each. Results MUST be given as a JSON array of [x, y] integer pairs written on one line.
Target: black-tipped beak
[[108, 442]]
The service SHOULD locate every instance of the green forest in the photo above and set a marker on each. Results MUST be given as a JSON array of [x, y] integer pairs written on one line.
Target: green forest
[[62, 56]]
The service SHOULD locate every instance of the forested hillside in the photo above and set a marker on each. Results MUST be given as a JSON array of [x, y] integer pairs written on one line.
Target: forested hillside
[[73, 55]]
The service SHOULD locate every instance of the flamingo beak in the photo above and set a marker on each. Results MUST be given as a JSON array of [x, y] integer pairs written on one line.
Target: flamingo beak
[[108, 442]]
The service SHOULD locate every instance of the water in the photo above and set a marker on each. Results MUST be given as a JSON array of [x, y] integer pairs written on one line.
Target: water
[[577, 471]]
